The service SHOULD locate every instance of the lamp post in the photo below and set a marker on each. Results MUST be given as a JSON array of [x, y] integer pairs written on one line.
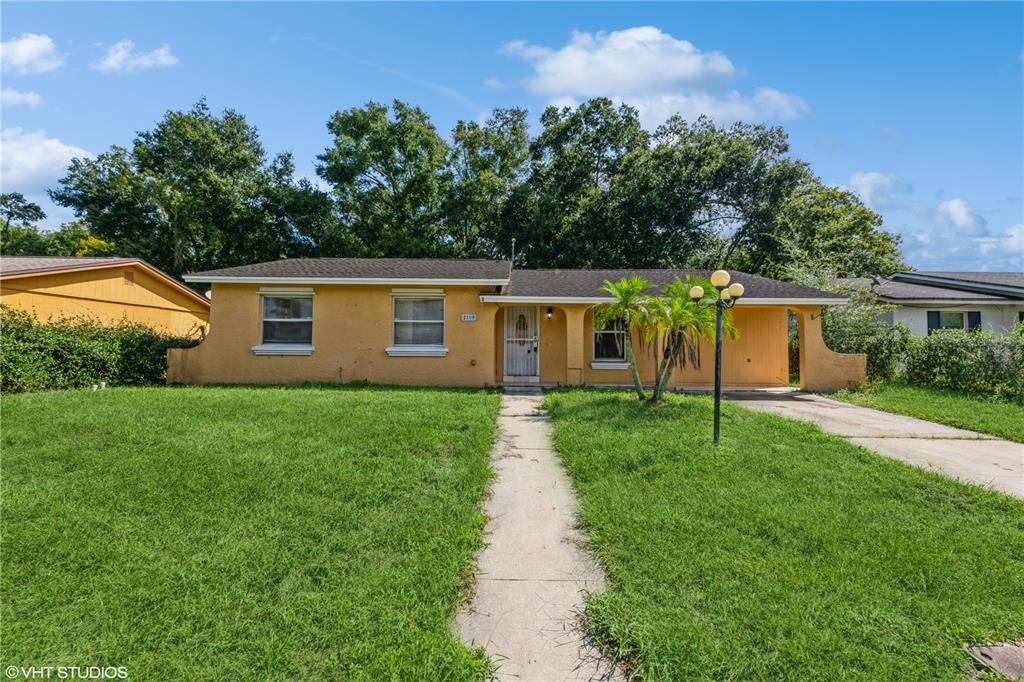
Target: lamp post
[[727, 297]]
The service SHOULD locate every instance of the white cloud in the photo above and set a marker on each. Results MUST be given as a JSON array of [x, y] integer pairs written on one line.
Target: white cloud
[[957, 213], [1010, 243], [30, 53], [880, 191], [765, 104], [122, 58], [646, 68], [9, 97], [31, 161]]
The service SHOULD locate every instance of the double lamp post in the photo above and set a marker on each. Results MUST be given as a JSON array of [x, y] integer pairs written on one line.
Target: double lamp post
[[728, 294]]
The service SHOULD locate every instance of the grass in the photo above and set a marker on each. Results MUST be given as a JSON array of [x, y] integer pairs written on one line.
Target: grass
[[785, 554], [243, 533], [994, 416]]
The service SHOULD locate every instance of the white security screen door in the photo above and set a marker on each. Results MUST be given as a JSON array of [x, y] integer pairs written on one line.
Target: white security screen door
[[522, 347]]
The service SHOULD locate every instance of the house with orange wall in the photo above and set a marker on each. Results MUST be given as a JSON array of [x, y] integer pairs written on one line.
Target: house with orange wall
[[105, 289], [475, 323]]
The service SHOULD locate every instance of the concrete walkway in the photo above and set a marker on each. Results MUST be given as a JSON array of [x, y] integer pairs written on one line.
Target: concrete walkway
[[966, 455], [534, 573]]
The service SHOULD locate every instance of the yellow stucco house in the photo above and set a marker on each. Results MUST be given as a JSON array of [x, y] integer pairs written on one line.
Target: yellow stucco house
[[473, 323], [105, 289]]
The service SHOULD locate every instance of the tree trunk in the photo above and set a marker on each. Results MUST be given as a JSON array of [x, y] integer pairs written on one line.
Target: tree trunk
[[668, 363], [631, 359]]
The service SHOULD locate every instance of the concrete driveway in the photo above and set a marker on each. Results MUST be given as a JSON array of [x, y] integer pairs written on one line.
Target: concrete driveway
[[966, 455]]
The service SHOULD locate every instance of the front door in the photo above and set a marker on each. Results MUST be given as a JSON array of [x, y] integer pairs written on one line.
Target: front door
[[522, 344]]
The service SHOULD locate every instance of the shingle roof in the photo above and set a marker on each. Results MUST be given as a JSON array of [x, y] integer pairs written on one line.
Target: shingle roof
[[945, 286], [10, 265], [363, 268], [587, 283], [1013, 279]]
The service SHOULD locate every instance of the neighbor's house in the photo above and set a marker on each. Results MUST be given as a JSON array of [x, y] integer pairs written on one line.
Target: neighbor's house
[[993, 301], [473, 323], [105, 289]]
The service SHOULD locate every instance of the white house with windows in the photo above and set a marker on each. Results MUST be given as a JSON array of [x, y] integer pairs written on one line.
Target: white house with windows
[[993, 301]]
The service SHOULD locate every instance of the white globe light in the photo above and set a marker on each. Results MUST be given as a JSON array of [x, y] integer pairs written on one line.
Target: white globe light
[[736, 289], [720, 279], [696, 292]]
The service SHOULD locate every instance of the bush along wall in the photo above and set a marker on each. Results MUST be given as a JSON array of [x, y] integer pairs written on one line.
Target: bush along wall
[[75, 352], [975, 361]]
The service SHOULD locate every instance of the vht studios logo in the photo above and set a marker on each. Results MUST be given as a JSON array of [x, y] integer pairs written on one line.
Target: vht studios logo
[[66, 672]]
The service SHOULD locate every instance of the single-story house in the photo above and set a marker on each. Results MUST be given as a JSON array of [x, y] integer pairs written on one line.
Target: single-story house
[[993, 301], [474, 323], [105, 289]]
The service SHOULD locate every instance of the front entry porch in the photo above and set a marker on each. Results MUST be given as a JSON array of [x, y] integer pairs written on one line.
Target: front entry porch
[[553, 344]]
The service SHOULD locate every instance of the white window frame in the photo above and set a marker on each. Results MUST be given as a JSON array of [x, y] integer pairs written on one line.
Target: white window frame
[[608, 363], [279, 348], [412, 349]]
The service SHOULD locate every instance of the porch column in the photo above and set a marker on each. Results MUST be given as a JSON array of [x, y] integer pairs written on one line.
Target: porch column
[[575, 338], [822, 369]]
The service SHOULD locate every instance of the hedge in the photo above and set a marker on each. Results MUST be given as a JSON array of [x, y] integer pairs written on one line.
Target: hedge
[[973, 361], [80, 351]]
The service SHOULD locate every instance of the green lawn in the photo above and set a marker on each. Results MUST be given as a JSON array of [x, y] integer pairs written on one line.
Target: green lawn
[[786, 554], [243, 533], [988, 415]]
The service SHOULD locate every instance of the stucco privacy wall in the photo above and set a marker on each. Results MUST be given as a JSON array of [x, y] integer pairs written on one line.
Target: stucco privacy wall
[[822, 369], [107, 295], [352, 326]]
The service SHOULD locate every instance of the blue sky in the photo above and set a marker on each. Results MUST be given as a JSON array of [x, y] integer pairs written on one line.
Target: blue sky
[[919, 107]]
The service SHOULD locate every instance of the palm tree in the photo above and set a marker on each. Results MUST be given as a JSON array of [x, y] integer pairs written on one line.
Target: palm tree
[[629, 309], [678, 323]]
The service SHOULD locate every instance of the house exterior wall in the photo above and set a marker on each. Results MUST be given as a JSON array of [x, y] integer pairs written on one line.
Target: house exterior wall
[[106, 295], [994, 318], [352, 327]]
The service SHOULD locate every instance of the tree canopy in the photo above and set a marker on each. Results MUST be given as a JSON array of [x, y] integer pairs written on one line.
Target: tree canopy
[[589, 188]]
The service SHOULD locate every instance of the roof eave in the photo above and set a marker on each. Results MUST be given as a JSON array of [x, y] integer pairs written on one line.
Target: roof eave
[[594, 300], [939, 282], [403, 281], [951, 301]]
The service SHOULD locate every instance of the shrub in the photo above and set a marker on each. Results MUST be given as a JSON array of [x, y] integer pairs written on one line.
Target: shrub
[[974, 361], [73, 352]]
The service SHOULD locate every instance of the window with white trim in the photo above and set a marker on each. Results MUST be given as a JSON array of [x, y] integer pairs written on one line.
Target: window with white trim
[[610, 343], [287, 320], [419, 320]]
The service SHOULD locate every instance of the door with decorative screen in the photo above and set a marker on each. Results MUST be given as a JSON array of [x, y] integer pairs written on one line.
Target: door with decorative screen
[[522, 344]]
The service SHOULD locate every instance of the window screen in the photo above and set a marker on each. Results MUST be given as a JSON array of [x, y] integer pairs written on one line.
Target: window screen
[[287, 320], [419, 321]]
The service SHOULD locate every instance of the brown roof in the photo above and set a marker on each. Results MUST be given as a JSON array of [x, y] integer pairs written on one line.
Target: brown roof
[[10, 265], [362, 268], [587, 283]]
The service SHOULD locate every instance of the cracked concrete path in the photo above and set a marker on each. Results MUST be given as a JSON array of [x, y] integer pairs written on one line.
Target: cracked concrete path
[[966, 455], [533, 575]]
